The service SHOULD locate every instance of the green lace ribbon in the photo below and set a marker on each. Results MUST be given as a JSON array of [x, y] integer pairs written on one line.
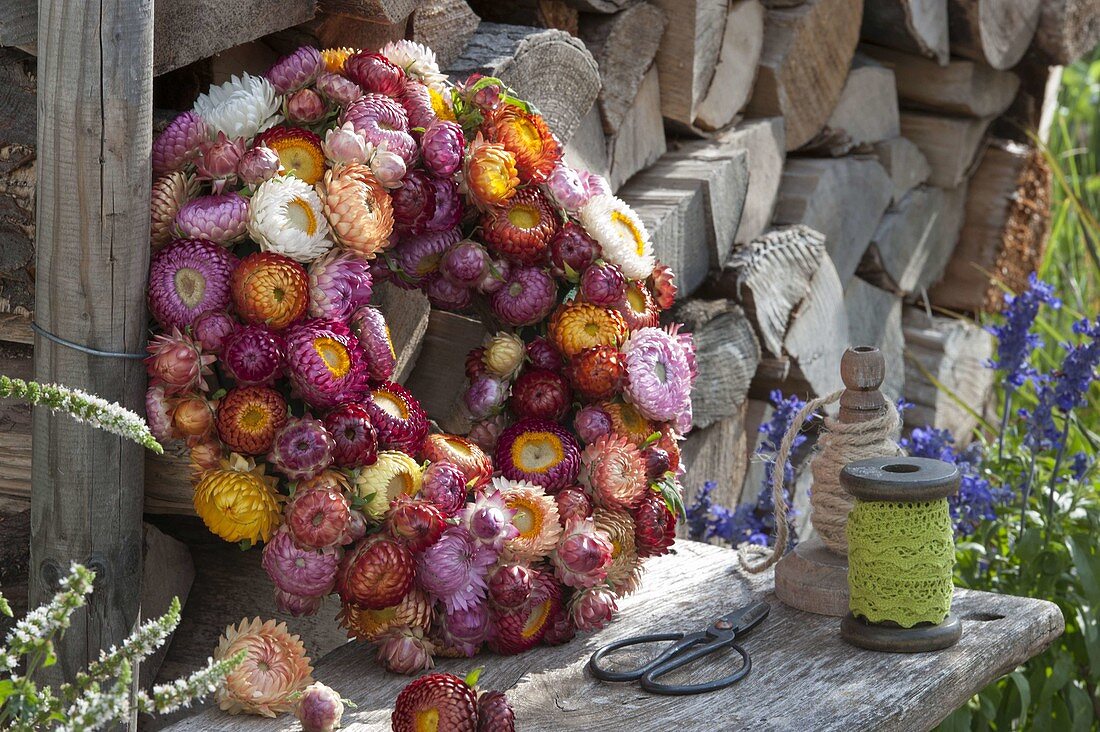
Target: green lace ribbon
[[901, 557]]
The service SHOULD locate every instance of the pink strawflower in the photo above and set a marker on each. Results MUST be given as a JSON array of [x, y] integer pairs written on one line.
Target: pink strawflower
[[527, 297], [187, 278], [582, 555], [339, 283], [510, 586], [405, 650], [382, 121], [369, 327], [446, 205], [356, 439], [543, 355], [158, 413], [220, 218], [297, 606], [566, 187], [418, 256], [414, 205], [253, 354], [465, 263], [485, 433], [445, 295], [325, 363], [179, 144], [417, 102], [305, 572], [375, 74], [658, 374], [485, 396], [218, 160], [302, 449], [178, 363], [593, 608], [614, 470], [540, 451], [595, 185], [489, 520], [444, 484], [441, 148], [561, 629], [306, 107], [465, 630], [317, 517], [602, 284], [495, 276], [344, 146], [590, 422], [339, 89], [260, 163], [573, 503], [212, 328], [454, 569], [320, 709], [296, 70]]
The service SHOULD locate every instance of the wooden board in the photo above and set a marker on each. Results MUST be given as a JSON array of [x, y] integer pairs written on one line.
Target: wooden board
[[688, 54], [843, 198], [959, 87], [763, 140], [866, 113], [914, 26], [406, 313], [640, 139], [818, 335], [950, 144], [807, 52], [996, 32], [731, 85], [438, 379], [376, 11], [904, 163], [795, 656], [587, 149]]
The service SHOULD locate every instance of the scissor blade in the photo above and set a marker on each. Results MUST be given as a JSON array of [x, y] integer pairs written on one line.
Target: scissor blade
[[749, 617]]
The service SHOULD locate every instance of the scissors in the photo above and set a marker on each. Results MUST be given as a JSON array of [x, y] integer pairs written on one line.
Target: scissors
[[722, 633]]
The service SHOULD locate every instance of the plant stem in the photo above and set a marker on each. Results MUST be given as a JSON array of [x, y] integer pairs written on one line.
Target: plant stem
[[1004, 424], [1026, 496], [1054, 474]]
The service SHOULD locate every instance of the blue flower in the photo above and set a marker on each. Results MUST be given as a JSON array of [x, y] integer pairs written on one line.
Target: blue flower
[[1042, 433], [698, 513], [1073, 381], [1079, 466], [1015, 341]]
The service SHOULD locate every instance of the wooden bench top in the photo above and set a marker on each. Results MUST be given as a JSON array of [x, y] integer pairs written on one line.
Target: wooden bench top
[[803, 675]]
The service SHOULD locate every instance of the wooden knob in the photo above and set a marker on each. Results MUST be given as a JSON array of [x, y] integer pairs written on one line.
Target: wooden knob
[[862, 369]]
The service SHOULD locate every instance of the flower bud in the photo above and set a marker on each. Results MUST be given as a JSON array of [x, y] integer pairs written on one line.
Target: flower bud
[[258, 164], [319, 708], [344, 146], [305, 106]]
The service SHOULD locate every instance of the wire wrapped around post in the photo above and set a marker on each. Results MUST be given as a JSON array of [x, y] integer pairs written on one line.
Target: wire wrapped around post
[[901, 554]]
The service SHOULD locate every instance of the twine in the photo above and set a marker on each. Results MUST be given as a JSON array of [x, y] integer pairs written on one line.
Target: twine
[[841, 443]]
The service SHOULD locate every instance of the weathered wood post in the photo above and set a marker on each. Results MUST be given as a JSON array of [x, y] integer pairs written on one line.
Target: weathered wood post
[[95, 62]]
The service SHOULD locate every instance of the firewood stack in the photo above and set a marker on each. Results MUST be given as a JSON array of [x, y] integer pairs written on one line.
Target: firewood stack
[[818, 172]]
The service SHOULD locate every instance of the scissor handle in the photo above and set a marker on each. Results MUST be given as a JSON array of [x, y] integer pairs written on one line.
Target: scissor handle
[[649, 683], [605, 674]]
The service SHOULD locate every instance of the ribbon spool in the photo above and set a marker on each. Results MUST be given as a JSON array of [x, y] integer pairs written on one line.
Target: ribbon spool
[[901, 555]]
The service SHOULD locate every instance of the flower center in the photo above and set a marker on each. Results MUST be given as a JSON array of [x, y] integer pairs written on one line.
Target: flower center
[[190, 286], [334, 356], [537, 452], [527, 134], [301, 216], [630, 230], [524, 520], [253, 418], [427, 720], [399, 484], [391, 405], [524, 216], [636, 299], [536, 620], [661, 371]]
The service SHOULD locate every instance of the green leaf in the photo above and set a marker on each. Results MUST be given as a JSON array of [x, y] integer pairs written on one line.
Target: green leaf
[[5, 608], [473, 677], [1024, 689]]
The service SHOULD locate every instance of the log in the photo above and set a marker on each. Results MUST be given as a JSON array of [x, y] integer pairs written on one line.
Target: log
[[91, 286], [688, 55], [874, 319], [600, 6], [866, 113], [913, 26], [738, 58], [18, 23], [912, 243], [376, 11], [945, 365], [443, 26], [18, 103], [904, 163], [995, 32], [950, 144], [763, 140], [640, 139], [587, 149], [770, 276], [843, 198], [959, 87], [536, 13], [438, 379], [716, 453], [335, 31], [1004, 232], [726, 352], [691, 206], [1068, 29], [548, 68], [624, 45], [807, 52], [169, 572]]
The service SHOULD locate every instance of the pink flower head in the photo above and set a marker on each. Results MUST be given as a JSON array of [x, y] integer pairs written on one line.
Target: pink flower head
[[593, 608], [454, 569], [441, 148], [590, 422], [320, 709], [317, 517], [465, 263], [583, 554], [344, 146], [297, 606], [417, 102], [418, 256], [602, 284], [614, 470], [465, 630], [527, 297], [658, 374], [179, 144], [356, 439], [489, 520], [158, 413], [306, 106], [339, 283], [485, 433], [187, 278], [566, 187], [382, 121], [253, 354], [405, 650], [302, 449], [485, 396], [305, 572], [510, 586], [338, 89], [325, 363], [218, 160], [220, 218], [445, 295], [177, 362], [388, 167], [573, 504], [375, 74], [369, 327], [212, 328], [444, 484], [296, 70], [260, 163]]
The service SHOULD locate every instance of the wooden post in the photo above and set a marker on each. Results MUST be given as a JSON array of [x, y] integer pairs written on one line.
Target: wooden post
[[95, 78]]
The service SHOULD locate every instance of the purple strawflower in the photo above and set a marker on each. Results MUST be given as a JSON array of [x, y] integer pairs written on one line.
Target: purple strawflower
[[454, 569], [1015, 341]]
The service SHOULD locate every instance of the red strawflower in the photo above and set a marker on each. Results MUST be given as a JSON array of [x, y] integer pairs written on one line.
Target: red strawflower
[[541, 394], [435, 702]]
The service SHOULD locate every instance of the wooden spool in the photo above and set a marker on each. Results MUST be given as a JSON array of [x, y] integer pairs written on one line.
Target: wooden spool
[[900, 479], [812, 578]]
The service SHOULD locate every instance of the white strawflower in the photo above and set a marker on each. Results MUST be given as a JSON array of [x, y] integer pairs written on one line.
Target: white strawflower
[[241, 107], [416, 59], [286, 217], [621, 234], [344, 146]]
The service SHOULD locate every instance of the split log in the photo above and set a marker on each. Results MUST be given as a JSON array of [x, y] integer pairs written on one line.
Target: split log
[[874, 319], [688, 55], [946, 378], [911, 243], [1004, 233], [624, 45], [587, 149], [600, 6], [1068, 29], [995, 32], [716, 453], [18, 23], [549, 68], [406, 314], [681, 203], [913, 26], [843, 198], [951, 144], [535, 13], [867, 111], [807, 52], [904, 163], [439, 379], [443, 26], [18, 102], [640, 139], [738, 58], [770, 276], [726, 352], [376, 11], [959, 87], [763, 140], [335, 31]]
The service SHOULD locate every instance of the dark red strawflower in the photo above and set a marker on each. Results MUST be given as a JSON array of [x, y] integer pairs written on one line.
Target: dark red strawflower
[[657, 462], [654, 526], [475, 363], [374, 73], [541, 394], [398, 418], [436, 702], [543, 355], [417, 524], [494, 713], [510, 586], [574, 247], [573, 503], [356, 439]]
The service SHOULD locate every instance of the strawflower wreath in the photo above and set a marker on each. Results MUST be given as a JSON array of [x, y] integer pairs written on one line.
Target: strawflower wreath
[[280, 201]]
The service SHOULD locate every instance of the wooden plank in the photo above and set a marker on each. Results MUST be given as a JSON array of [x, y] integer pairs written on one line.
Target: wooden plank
[[18, 131], [993, 32], [866, 113], [950, 144], [807, 52], [549, 68], [406, 313], [843, 198], [688, 54], [959, 87], [913, 26], [535, 13], [91, 286], [735, 73], [795, 655], [438, 380], [168, 572], [18, 23], [904, 163], [640, 139], [624, 45], [376, 11], [443, 26], [874, 319]]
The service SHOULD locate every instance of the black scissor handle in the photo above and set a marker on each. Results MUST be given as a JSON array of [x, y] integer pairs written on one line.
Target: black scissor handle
[[605, 674], [649, 683]]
